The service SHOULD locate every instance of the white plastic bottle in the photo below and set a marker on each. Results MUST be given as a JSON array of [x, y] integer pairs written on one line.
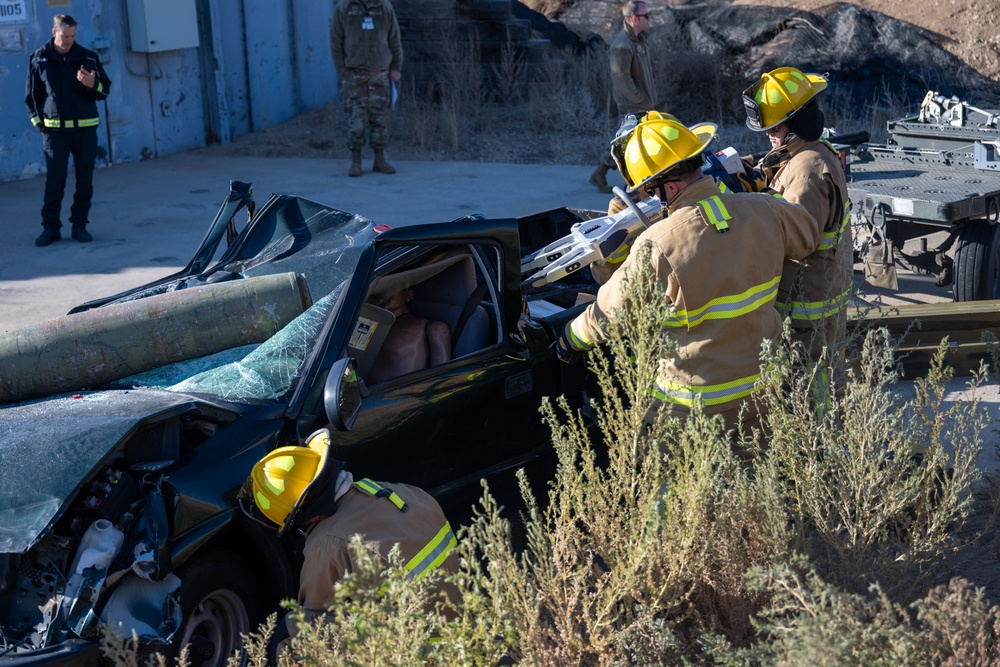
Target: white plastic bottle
[[98, 547]]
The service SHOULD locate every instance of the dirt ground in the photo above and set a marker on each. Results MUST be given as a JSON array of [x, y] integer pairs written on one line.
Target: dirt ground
[[967, 28]]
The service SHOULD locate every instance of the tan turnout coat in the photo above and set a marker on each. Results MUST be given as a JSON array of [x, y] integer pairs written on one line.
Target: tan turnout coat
[[722, 286], [815, 292]]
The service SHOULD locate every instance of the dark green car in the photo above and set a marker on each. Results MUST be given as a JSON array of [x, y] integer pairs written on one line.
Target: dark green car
[[142, 414]]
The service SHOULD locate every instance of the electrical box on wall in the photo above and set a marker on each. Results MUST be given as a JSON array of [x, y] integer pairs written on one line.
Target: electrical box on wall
[[155, 25]]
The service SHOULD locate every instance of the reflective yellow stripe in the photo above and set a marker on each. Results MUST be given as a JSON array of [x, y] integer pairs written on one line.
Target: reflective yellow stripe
[[432, 555], [36, 121], [618, 256], [577, 338], [712, 394], [814, 310], [381, 492], [70, 124], [725, 307], [832, 239], [716, 212]]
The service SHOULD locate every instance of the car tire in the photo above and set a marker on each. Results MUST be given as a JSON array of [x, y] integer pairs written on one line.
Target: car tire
[[977, 261], [219, 601]]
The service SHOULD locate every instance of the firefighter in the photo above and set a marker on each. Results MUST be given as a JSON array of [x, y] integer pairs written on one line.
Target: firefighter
[[809, 171], [304, 488], [718, 256]]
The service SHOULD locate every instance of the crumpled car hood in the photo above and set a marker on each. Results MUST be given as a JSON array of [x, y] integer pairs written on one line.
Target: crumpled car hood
[[49, 447]]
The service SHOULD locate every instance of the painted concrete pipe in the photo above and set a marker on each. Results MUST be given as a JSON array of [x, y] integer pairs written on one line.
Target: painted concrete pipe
[[104, 344]]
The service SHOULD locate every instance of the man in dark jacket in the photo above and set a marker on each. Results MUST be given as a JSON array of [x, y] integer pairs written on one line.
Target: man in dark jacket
[[65, 81]]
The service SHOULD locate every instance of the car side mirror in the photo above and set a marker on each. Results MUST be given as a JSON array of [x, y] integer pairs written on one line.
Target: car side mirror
[[342, 394]]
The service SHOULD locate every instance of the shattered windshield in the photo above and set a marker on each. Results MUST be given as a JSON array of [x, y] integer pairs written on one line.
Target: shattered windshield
[[268, 371], [262, 372], [295, 236]]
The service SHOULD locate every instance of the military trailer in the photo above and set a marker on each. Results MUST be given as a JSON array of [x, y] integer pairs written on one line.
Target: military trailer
[[938, 172]]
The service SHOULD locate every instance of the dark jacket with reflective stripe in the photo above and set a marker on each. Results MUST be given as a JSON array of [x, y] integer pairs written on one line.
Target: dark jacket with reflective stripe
[[54, 97], [327, 558], [722, 287]]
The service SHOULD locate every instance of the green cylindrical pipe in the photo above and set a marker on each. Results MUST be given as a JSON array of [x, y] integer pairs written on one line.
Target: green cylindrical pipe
[[104, 344]]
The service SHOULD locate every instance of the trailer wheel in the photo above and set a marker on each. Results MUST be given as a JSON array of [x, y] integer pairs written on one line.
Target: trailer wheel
[[977, 261]]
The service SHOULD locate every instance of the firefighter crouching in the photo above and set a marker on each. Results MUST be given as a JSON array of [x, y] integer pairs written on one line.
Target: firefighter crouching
[[807, 170], [304, 488], [718, 257]]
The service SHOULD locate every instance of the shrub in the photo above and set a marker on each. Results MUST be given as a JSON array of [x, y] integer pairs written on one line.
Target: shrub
[[640, 552]]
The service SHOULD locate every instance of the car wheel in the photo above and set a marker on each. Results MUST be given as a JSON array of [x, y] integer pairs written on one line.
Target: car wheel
[[977, 261], [219, 602]]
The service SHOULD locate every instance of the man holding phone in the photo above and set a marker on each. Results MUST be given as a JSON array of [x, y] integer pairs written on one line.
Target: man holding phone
[[65, 82]]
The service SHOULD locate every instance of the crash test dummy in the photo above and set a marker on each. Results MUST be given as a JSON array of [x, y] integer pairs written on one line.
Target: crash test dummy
[[412, 343]]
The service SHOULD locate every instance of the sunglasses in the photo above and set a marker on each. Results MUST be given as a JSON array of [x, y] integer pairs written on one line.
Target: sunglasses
[[641, 16]]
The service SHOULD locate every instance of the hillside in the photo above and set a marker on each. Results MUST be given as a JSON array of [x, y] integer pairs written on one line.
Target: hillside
[[882, 56], [964, 28]]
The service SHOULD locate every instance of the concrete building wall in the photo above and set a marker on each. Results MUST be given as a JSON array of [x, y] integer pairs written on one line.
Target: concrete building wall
[[256, 63]]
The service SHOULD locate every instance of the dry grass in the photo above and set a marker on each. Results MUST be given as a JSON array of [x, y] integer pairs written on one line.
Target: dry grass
[[558, 112]]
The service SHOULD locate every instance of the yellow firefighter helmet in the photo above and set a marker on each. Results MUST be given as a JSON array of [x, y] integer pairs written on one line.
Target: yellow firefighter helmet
[[281, 480], [657, 145], [778, 95]]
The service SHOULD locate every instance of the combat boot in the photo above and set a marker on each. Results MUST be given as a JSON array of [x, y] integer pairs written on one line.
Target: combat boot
[[355, 164], [381, 165], [598, 180]]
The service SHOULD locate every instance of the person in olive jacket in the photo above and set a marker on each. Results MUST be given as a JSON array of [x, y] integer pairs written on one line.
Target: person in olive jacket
[[631, 77], [65, 82]]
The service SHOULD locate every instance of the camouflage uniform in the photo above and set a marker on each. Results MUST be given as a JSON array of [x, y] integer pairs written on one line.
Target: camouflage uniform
[[366, 100], [365, 43]]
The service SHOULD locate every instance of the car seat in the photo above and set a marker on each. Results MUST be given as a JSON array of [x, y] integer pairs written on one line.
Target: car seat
[[454, 297], [444, 290]]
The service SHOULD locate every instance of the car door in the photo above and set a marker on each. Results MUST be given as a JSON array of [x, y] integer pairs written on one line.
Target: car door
[[446, 425]]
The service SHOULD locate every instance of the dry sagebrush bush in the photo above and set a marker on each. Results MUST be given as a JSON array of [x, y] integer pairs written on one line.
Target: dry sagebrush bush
[[640, 552]]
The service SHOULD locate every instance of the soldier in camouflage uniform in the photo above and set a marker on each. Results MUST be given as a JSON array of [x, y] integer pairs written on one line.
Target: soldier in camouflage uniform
[[364, 39]]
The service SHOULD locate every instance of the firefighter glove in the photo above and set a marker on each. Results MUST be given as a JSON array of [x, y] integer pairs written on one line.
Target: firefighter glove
[[565, 351]]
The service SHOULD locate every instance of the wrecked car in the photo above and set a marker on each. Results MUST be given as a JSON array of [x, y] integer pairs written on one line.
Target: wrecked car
[[128, 426]]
